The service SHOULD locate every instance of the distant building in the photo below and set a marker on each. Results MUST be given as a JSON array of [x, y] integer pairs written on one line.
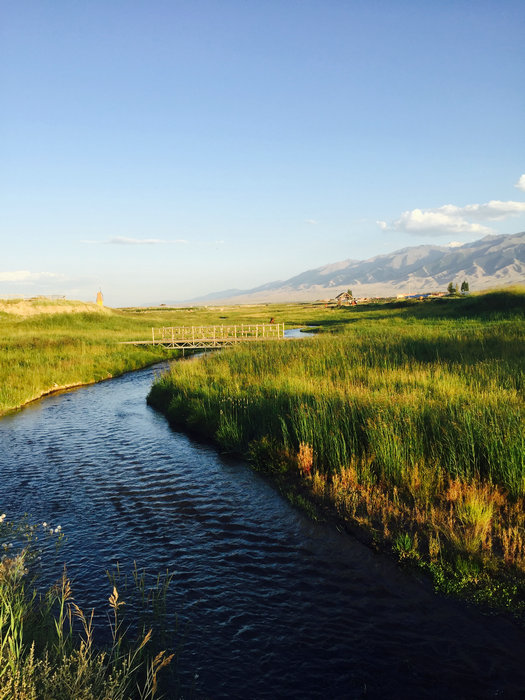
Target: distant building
[[343, 298], [100, 298]]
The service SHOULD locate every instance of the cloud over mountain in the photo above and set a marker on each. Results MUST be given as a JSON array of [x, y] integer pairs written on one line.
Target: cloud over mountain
[[450, 218]]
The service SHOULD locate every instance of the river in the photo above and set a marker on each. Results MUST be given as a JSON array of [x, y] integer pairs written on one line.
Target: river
[[277, 605]]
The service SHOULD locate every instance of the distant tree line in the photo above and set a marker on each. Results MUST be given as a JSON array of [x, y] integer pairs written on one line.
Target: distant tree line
[[453, 288]]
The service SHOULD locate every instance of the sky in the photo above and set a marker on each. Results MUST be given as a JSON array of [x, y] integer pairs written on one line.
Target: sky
[[161, 150]]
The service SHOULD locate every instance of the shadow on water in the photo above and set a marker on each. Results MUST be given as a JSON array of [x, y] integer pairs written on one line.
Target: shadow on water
[[278, 606]]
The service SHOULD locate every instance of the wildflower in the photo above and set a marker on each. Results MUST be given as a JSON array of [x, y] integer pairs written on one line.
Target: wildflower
[[44, 524], [59, 527], [2, 518]]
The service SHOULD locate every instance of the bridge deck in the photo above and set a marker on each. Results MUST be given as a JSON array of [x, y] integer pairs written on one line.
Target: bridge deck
[[203, 337]]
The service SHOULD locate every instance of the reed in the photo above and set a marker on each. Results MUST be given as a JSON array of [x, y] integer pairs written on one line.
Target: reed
[[411, 398], [47, 642]]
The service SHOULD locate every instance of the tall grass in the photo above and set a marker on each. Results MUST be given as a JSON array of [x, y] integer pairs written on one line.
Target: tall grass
[[47, 642], [43, 352], [369, 394], [409, 398]]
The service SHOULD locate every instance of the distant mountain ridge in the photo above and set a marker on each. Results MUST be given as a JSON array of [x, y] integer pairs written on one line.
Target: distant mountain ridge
[[495, 260]]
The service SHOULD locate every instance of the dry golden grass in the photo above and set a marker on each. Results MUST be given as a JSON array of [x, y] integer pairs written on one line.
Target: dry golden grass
[[25, 308], [455, 516], [47, 647]]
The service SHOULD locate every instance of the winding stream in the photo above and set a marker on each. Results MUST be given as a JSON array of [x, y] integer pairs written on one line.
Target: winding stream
[[278, 606]]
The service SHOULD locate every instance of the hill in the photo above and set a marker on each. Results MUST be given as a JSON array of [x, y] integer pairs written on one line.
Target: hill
[[493, 261]]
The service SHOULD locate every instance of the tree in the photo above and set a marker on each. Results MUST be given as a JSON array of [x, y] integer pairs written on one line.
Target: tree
[[464, 287], [452, 288], [349, 292]]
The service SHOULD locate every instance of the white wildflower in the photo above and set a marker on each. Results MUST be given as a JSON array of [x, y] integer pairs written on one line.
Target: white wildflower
[[2, 518]]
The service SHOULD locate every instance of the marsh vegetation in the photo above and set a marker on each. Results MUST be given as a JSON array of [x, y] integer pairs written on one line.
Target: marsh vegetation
[[404, 419], [42, 351], [51, 648]]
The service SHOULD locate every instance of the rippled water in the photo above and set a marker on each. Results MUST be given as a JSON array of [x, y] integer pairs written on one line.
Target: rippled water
[[278, 606]]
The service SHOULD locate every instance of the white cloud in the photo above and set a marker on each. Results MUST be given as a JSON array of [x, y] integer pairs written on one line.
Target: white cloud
[[312, 222], [452, 219], [27, 276], [123, 240], [492, 211], [521, 183]]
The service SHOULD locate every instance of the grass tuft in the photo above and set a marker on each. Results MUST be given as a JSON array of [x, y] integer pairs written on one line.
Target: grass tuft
[[47, 642]]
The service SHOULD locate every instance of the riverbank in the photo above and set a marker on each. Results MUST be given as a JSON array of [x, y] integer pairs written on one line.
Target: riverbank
[[58, 345], [405, 421]]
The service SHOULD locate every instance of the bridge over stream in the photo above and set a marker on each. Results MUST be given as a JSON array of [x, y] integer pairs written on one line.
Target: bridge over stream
[[205, 337]]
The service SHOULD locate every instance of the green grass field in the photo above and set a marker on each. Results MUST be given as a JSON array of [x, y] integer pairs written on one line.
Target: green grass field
[[405, 419], [40, 352]]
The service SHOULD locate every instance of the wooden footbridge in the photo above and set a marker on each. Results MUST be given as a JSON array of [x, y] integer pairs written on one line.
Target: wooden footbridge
[[206, 337]]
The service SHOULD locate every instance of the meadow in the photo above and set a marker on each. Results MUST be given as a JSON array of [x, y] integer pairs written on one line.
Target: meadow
[[401, 421], [404, 421], [49, 646], [48, 345]]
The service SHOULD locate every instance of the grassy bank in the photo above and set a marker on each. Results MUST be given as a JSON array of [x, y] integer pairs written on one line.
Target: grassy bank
[[44, 350], [404, 419]]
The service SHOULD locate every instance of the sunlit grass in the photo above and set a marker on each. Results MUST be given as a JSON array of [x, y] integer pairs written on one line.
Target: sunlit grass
[[410, 398], [43, 352], [376, 416]]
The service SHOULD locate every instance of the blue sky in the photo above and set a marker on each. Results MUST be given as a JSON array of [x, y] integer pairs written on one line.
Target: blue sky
[[162, 150]]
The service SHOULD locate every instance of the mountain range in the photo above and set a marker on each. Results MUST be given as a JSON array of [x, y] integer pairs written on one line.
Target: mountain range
[[493, 261]]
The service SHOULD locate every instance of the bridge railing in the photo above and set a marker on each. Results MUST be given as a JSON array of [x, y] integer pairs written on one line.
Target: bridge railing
[[260, 331]]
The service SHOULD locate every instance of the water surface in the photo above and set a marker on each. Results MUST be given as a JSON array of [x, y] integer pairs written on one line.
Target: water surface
[[278, 606]]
